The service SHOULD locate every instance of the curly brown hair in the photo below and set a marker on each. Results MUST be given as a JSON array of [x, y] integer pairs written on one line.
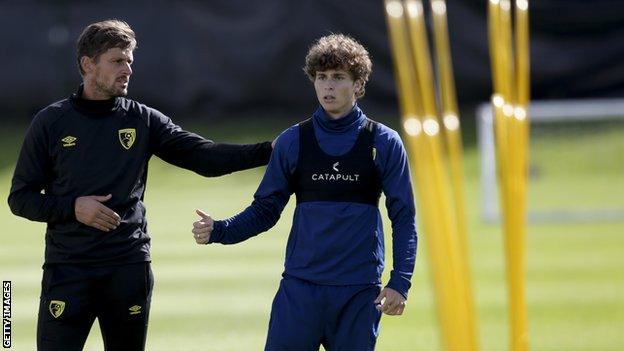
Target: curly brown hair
[[98, 37], [339, 51]]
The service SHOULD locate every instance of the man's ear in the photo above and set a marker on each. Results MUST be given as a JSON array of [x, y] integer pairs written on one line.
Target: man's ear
[[358, 84], [86, 63]]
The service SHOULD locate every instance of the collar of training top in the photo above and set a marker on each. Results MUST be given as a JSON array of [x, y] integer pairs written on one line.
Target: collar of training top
[[93, 107], [338, 125]]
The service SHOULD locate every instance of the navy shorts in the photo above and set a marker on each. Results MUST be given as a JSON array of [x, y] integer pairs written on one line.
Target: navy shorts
[[306, 315], [73, 296]]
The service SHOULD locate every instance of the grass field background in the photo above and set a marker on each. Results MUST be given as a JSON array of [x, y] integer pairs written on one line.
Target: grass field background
[[218, 297]]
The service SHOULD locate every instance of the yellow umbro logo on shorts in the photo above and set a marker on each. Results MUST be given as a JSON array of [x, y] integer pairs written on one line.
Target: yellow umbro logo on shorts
[[136, 309], [69, 141]]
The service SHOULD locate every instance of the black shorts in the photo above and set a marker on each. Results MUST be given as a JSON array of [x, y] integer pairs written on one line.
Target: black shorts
[[72, 296]]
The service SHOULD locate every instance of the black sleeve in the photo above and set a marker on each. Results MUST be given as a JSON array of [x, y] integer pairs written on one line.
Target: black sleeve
[[33, 173], [205, 157]]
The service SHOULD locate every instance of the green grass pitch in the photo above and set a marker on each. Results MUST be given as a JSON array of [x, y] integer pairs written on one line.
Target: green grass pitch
[[218, 297]]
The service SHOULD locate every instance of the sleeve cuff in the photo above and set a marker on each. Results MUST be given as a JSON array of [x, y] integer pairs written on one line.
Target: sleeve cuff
[[69, 208], [217, 232], [399, 284]]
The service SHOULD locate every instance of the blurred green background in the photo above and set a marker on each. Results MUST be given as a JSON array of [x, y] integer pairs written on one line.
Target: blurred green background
[[218, 297]]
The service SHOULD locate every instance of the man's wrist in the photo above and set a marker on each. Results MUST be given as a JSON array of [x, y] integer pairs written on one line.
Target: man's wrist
[[71, 208], [398, 287], [217, 232]]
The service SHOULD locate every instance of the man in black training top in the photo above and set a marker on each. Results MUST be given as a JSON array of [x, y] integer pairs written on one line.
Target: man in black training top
[[82, 169]]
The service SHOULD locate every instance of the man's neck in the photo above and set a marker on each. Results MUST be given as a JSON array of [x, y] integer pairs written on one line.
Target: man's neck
[[90, 92], [93, 107]]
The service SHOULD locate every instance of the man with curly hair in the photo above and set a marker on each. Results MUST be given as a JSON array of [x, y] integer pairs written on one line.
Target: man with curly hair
[[337, 163]]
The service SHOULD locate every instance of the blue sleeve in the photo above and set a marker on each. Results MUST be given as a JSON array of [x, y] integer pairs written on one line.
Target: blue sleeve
[[397, 186], [270, 198]]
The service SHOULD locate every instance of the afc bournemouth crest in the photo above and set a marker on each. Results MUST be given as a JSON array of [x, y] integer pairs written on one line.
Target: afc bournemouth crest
[[56, 308], [127, 137]]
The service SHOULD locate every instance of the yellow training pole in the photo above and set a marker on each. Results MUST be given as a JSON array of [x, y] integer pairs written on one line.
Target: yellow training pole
[[498, 99], [420, 54], [423, 130], [522, 52], [447, 214], [515, 221], [510, 102], [411, 115], [519, 339], [454, 149]]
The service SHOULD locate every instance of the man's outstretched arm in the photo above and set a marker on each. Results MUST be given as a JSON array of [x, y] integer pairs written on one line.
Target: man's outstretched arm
[[205, 157], [269, 200]]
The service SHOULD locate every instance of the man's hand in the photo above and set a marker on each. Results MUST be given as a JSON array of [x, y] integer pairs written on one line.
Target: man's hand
[[89, 210], [390, 302], [202, 228]]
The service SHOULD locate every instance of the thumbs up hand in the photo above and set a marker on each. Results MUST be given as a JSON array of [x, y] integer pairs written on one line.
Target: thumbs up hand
[[202, 228]]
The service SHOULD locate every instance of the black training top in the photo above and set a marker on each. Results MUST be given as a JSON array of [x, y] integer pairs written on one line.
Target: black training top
[[77, 147]]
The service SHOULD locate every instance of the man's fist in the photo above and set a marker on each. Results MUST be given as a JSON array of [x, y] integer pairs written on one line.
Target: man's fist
[[390, 302]]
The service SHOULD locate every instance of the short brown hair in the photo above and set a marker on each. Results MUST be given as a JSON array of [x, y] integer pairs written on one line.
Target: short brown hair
[[98, 37], [339, 51]]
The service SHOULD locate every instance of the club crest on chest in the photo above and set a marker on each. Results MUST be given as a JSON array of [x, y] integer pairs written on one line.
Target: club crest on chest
[[127, 137]]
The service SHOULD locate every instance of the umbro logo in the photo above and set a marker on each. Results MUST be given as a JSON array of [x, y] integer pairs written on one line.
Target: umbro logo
[[69, 141], [136, 309]]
